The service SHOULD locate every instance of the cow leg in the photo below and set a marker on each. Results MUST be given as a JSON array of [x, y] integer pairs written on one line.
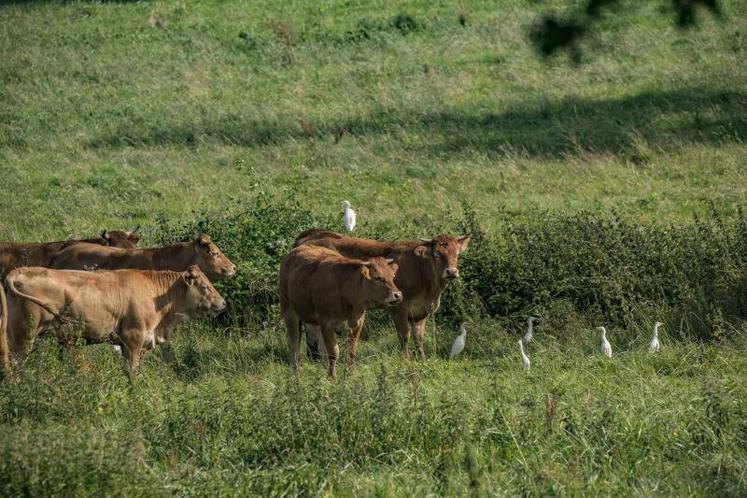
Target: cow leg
[[418, 330], [132, 351], [402, 325], [314, 343], [352, 340], [166, 353], [21, 334], [292, 326], [330, 342]]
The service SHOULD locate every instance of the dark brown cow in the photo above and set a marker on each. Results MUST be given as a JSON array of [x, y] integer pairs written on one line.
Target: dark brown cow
[[425, 269], [202, 252], [130, 308], [320, 287], [14, 255]]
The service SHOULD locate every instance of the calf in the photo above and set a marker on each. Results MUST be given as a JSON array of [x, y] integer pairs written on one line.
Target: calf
[[130, 308], [322, 288], [425, 269]]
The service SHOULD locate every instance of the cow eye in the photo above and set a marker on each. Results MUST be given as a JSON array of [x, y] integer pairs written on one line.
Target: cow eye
[[380, 279], [214, 254]]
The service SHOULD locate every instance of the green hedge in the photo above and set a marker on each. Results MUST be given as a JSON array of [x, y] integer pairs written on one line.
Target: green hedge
[[600, 267]]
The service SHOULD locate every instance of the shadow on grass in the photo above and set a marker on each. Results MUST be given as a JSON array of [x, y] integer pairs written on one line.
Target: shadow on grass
[[659, 119]]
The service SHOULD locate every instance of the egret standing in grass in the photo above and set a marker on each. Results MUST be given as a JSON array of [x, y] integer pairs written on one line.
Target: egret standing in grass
[[524, 358], [605, 347], [530, 330], [654, 345], [458, 345], [348, 216]]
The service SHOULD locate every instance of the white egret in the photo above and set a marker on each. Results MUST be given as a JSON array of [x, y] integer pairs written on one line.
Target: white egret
[[530, 330], [458, 345], [654, 345], [348, 216], [117, 348], [605, 347], [524, 358]]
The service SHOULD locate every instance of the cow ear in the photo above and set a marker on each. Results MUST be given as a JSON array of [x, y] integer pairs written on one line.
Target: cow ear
[[189, 278], [365, 270], [422, 251], [133, 235], [191, 275], [203, 239], [464, 242]]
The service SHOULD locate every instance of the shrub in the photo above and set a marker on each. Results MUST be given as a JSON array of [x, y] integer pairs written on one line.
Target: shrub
[[607, 269]]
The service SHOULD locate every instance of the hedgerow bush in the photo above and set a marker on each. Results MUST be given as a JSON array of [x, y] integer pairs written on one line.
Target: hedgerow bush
[[602, 267]]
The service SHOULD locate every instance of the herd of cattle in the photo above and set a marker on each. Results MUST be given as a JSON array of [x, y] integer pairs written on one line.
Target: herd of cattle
[[114, 292]]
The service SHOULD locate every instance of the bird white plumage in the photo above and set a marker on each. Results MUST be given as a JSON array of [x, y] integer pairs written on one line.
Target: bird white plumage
[[348, 216], [117, 348], [459, 342], [654, 345], [605, 347], [524, 358], [530, 330]]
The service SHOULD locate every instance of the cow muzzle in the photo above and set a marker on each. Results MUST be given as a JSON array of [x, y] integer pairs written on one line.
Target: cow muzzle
[[229, 272], [451, 273], [394, 298], [218, 307]]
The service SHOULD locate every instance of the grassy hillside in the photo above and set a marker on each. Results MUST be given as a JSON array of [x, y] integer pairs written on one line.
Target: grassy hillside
[[253, 120], [125, 111]]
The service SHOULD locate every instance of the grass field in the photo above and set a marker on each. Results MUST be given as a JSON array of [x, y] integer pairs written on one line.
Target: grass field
[[256, 119]]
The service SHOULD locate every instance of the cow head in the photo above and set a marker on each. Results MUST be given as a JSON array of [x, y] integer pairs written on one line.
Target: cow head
[[378, 276], [201, 297], [442, 252], [119, 238], [211, 260]]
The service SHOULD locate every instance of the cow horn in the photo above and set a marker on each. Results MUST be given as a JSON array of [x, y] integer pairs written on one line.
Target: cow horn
[[389, 261], [426, 241], [366, 263], [105, 234]]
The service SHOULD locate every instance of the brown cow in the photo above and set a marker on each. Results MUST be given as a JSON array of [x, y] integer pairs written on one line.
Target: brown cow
[[13, 255], [320, 287], [202, 252], [130, 308], [425, 269]]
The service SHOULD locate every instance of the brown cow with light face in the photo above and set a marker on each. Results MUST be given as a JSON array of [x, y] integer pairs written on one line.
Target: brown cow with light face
[[322, 288], [202, 252], [425, 269], [14, 255], [130, 308]]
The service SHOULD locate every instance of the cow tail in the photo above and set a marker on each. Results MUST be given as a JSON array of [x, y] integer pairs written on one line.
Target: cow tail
[[4, 353], [12, 288]]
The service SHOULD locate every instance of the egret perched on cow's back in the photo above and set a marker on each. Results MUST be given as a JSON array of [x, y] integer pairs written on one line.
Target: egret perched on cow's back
[[459, 342], [524, 358], [530, 330], [654, 345], [605, 347], [348, 216]]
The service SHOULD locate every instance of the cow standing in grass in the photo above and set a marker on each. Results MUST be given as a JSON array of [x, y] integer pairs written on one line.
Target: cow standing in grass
[[201, 251], [425, 269], [130, 308], [320, 287], [14, 254]]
